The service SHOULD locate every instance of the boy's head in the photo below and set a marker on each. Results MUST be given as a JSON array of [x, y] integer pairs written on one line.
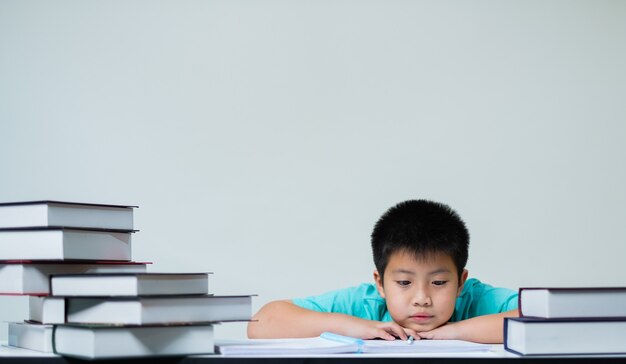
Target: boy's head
[[420, 250], [420, 227]]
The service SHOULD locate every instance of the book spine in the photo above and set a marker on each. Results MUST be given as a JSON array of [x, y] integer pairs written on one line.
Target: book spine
[[519, 305], [506, 337]]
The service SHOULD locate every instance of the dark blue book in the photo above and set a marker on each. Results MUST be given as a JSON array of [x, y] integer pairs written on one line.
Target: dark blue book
[[571, 336]]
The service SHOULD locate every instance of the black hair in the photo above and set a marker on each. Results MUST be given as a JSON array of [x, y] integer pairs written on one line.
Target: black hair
[[420, 227]]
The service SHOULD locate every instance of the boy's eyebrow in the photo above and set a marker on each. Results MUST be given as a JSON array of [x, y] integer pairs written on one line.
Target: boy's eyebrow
[[436, 271], [400, 270], [440, 270]]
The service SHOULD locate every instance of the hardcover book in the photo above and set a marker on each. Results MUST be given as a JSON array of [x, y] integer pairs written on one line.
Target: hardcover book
[[130, 284], [64, 244], [31, 336], [528, 336], [27, 277], [65, 214], [109, 342], [46, 309], [572, 302], [152, 310]]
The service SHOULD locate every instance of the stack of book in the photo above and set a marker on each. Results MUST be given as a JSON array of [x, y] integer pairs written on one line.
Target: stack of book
[[568, 321], [88, 299]]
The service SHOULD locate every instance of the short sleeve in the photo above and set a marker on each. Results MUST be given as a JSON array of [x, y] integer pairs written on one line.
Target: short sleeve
[[478, 299], [361, 301]]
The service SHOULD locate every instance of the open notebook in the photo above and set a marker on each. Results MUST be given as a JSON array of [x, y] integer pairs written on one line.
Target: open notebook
[[322, 345]]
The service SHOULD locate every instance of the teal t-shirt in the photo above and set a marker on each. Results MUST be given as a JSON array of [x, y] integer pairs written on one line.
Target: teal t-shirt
[[363, 301]]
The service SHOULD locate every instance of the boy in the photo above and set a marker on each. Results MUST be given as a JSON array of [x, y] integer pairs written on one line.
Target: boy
[[421, 288]]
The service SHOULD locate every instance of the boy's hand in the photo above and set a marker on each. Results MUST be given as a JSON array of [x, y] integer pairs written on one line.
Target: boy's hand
[[282, 319], [449, 331], [366, 329], [482, 329]]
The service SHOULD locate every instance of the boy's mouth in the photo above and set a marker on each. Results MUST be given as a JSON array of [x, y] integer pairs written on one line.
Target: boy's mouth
[[421, 317]]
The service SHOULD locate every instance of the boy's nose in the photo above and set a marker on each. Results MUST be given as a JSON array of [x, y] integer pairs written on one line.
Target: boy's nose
[[422, 299]]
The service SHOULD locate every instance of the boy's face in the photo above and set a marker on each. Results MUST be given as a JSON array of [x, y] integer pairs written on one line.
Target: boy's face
[[420, 292]]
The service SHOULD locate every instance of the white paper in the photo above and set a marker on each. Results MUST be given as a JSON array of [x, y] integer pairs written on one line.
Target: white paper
[[317, 345]]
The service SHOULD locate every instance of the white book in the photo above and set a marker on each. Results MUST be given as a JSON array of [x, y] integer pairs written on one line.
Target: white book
[[31, 336], [130, 284], [157, 309], [33, 278], [46, 309], [109, 342], [572, 302], [65, 214], [63, 244], [527, 336]]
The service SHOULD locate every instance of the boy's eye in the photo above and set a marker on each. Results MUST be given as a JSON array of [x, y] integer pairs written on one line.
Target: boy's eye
[[439, 283], [403, 283]]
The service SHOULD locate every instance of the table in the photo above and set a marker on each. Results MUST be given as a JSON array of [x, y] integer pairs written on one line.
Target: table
[[496, 355]]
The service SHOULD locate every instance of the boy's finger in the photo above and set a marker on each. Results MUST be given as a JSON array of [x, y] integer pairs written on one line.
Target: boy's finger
[[399, 333], [385, 335], [425, 334], [412, 333]]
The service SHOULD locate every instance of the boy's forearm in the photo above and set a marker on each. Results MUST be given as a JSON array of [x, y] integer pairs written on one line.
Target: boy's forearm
[[488, 329], [283, 319]]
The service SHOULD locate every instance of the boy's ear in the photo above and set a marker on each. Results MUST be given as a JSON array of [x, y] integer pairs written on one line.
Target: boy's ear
[[462, 282], [379, 284]]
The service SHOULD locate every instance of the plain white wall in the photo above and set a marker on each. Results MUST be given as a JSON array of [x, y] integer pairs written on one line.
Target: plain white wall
[[263, 139]]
